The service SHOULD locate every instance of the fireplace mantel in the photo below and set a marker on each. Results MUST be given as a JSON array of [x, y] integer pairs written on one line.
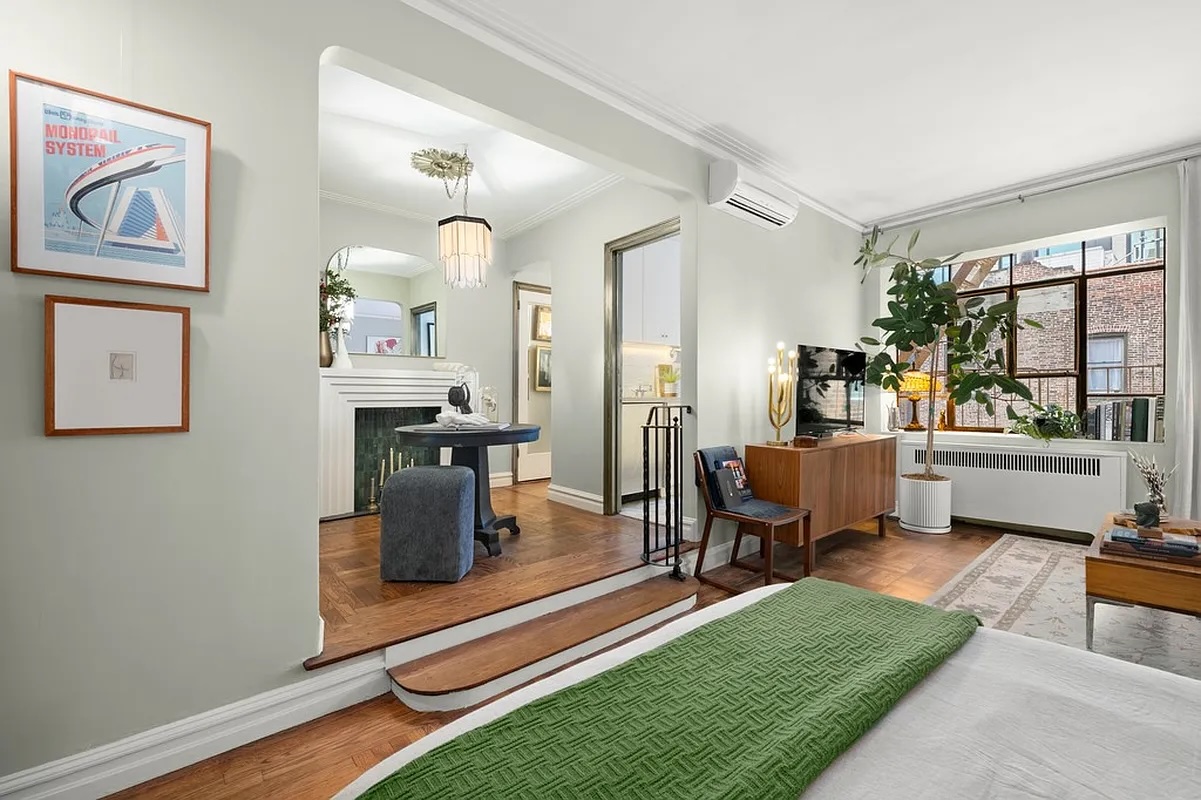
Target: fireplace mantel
[[344, 390]]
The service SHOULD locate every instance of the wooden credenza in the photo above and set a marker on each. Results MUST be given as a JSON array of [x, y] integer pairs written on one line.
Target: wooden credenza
[[843, 481]]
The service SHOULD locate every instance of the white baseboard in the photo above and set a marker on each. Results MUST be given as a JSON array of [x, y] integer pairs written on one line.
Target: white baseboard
[[496, 480], [138, 758], [719, 554], [585, 501], [470, 697]]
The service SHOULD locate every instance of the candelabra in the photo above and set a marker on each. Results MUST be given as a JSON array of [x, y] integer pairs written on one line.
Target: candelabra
[[781, 392], [387, 466]]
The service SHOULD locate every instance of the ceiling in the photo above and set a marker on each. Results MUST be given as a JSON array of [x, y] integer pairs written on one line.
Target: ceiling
[[368, 130], [874, 108], [385, 262]]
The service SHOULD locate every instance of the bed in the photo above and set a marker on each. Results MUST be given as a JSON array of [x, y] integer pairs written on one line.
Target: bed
[[1003, 716]]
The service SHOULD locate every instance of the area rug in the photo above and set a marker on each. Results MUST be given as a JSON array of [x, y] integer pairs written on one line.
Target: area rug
[[1035, 587]]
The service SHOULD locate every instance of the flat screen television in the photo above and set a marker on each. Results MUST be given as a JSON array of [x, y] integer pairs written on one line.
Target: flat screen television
[[830, 395]]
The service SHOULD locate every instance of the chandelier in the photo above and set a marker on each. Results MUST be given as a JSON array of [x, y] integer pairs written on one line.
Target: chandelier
[[464, 242]]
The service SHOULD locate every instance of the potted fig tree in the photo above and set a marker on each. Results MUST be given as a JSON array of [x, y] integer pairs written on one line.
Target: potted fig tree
[[927, 317]]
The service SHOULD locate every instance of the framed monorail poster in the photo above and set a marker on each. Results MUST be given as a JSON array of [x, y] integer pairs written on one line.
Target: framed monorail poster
[[105, 189]]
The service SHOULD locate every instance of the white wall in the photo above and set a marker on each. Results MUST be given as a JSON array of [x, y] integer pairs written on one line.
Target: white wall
[[1142, 195], [380, 286], [573, 244], [744, 288], [755, 288], [199, 588]]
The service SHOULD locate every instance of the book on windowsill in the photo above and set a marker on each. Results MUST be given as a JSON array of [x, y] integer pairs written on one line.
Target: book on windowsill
[[1179, 549]]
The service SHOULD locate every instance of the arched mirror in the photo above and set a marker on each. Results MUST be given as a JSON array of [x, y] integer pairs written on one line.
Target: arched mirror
[[398, 305]]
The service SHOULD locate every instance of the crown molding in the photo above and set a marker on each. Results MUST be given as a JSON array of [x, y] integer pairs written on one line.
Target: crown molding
[[487, 23], [348, 200], [1051, 183], [567, 203]]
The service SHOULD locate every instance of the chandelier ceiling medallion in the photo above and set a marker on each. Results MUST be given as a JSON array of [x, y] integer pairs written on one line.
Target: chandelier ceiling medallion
[[464, 242]]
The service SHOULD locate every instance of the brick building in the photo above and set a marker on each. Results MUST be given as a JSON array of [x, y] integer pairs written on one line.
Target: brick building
[[1123, 326]]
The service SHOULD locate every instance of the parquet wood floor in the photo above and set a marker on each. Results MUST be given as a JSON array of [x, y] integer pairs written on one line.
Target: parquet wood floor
[[560, 547], [313, 761]]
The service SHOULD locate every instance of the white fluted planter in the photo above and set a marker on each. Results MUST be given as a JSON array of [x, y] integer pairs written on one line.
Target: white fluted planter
[[925, 506]]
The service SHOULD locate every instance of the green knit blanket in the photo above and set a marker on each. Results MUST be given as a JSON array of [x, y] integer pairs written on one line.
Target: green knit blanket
[[753, 705]]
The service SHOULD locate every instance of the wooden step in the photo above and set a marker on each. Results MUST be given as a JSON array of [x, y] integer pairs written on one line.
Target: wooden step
[[478, 595], [503, 655]]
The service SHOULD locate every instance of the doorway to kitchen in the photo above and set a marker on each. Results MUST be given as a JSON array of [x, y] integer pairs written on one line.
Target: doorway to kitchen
[[532, 378], [642, 353]]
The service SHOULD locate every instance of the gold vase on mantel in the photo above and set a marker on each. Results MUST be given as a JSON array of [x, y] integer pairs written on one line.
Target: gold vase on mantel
[[327, 352]]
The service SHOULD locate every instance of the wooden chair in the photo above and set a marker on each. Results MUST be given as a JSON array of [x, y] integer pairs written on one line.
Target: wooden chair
[[755, 517]]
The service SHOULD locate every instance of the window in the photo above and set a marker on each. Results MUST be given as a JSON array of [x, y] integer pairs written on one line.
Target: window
[[425, 329], [1106, 363], [1101, 305]]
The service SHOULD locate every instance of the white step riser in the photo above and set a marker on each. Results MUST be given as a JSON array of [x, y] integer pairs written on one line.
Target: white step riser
[[422, 646], [480, 694]]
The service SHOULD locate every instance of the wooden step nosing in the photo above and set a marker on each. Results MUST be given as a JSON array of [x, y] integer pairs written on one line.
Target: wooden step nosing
[[590, 635], [466, 698], [411, 650]]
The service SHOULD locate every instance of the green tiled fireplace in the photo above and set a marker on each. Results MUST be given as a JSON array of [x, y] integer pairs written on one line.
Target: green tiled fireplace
[[375, 445]]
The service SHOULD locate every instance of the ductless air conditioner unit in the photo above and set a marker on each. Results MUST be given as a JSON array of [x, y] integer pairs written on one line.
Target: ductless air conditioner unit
[[738, 191]]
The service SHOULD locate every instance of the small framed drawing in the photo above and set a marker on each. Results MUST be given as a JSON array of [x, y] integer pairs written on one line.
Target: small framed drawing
[[541, 332], [115, 367], [541, 369], [107, 190], [384, 346]]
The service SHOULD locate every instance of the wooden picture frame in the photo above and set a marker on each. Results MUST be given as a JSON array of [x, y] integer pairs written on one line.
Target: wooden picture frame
[[106, 189], [541, 323], [113, 367], [540, 373]]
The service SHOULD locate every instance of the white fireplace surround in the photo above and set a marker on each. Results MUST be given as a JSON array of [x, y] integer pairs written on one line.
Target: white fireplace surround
[[344, 390]]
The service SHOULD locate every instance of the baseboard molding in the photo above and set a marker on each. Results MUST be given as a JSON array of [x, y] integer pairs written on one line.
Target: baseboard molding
[[585, 501], [497, 480], [138, 758], [719, 554]]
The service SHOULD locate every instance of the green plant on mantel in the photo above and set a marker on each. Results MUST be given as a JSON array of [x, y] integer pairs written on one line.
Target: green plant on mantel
[[335, 292], [925, 315], [1048, 422]]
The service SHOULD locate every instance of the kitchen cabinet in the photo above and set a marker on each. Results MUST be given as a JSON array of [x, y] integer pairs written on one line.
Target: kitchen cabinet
[[632, 293], [651, 293]]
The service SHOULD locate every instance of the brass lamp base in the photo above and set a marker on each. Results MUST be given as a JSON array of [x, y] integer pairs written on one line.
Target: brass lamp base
[[914, 423], [776, 443]]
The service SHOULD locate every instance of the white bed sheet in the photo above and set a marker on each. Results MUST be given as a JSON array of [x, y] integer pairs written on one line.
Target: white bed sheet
[[1004, 717]]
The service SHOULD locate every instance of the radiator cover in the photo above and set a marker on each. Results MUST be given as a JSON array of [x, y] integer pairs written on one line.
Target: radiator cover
[[1065, 489]]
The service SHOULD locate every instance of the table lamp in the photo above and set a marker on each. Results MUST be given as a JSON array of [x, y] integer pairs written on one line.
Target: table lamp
[[915, 385], [781, 390]]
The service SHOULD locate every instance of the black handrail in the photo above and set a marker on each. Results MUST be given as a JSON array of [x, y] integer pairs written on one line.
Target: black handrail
[[662, 480]]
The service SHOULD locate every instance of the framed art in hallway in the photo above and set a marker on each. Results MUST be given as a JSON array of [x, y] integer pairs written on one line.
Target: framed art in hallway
[[385, 346], [541, 369], [107, 189], [541, 315], [115, 367]]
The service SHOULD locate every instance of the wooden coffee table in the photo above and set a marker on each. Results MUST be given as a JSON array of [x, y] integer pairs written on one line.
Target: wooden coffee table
[[1130, 581]]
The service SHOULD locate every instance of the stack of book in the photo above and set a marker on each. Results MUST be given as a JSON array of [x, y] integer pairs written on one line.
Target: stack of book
[[1137, 419], [1181, 548]]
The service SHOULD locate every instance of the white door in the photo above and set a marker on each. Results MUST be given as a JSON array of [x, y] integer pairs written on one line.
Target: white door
[[533, 406]]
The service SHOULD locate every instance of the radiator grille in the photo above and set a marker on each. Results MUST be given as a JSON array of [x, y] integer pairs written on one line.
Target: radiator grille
[[1046, 463]]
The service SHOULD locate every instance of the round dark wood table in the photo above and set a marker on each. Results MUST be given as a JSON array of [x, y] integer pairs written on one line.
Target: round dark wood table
[[469, 448]]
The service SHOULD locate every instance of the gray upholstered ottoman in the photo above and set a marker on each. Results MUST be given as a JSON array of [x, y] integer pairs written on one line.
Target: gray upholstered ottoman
[[426, 524]]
